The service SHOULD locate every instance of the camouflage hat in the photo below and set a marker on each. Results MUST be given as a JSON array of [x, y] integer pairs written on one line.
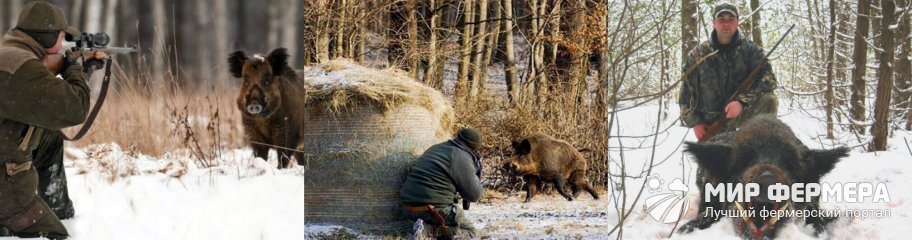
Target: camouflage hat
[[725, 7], [43, 17]]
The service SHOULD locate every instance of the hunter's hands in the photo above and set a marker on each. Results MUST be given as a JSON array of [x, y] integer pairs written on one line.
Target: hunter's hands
[[699, 130], [59, 62], [90, 55], [733, 109]]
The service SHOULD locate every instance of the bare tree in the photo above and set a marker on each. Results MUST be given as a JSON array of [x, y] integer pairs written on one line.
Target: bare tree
[[509, 52], [859, 58], [903, 65], [480, 35], [755, 23], [466, 55], [880, 131], [321, 30], [220, 19], [689, 28], [831, 52]]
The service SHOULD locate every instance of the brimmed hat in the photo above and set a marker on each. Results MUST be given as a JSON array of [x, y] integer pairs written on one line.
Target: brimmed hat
[[42, 21]]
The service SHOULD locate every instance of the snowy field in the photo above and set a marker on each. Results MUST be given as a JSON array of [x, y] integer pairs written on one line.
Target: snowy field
[[122, 195]]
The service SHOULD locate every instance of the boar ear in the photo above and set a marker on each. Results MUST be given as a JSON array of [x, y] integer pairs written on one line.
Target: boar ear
[[522, 147], [713, 157], [278, 59], [236, 63], [820, 161]]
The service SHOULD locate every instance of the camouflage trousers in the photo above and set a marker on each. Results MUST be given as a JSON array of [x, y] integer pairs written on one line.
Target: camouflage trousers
[[766, 104], [457, 225], [33, 201]]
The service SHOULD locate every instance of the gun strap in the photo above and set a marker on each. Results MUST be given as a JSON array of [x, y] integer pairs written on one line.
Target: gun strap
[[100, 101]]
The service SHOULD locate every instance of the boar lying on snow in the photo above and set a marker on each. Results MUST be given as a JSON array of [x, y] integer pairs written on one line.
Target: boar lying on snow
[[541, 158], [271, 103], [764, 151]]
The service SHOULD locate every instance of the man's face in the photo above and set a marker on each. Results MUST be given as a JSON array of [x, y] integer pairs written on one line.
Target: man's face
[[726, 24], [58, 45]]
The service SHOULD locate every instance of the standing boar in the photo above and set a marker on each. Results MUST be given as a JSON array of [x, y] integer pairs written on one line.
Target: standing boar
[[542, 158], [763, 151], [270, 101]]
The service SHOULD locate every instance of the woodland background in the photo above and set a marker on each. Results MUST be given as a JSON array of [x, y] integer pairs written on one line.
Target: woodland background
[[564, 67]]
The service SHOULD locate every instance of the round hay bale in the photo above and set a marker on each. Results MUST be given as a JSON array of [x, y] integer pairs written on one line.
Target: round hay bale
[[362, 130]]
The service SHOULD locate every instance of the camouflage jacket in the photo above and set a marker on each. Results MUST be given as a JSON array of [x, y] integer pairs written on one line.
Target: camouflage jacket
[[30, 95], [705, 91], [442, 171]]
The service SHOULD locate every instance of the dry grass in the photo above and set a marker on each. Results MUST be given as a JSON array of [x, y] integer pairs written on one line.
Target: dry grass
[[502, 123], [341, 83], [155, 117]]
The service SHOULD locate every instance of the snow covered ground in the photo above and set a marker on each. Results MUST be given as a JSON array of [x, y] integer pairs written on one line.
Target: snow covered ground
[[122, 195], [892, 167]]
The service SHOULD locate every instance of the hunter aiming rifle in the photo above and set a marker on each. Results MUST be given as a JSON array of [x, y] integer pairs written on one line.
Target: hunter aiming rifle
[[716, 127], [87, 42]]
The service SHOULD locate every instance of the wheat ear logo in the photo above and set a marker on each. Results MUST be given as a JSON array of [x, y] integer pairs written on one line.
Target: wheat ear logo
[[666, 207]]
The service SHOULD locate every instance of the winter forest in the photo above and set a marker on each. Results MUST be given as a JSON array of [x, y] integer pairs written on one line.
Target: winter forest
[[600, 74]]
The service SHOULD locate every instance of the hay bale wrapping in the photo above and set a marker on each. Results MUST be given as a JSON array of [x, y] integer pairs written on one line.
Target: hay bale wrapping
[[362, 130]]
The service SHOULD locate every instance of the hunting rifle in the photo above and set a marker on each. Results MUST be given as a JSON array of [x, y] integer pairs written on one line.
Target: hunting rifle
[[87, 42]]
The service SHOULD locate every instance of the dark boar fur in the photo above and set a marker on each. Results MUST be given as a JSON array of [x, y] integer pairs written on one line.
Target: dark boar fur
[[270, 101], [763, 151], [542, 159]]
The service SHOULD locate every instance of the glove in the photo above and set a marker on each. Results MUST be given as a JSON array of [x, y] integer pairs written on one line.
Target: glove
[[69, 60], [92, 64]]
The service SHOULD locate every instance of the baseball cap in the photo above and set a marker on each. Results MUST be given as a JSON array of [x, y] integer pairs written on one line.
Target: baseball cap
[[725, 7]]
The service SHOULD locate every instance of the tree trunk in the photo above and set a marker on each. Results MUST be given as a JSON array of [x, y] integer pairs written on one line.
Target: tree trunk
[[110, 21], [413, 56], [362, 31], [340, 23], [220, 17], [539, 76], [828, 94], [481, 34], [875, 28], [755, 23], [493, 38], [885, 80], [689, 28], [465, 61], [578, 50], [841, 94], [73, 19], [321, 30], [430, 75], [510, 59], [159, 65], [204, 42], [903, 65], [859, 58], [289, 28]]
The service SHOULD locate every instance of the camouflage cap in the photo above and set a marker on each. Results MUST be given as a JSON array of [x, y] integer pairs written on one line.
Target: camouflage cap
[[44, 17], [725, 7]]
